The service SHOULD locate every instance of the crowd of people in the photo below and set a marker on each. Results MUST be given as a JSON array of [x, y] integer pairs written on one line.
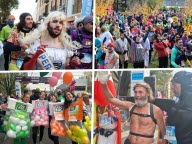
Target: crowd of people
[[31, 46], [65, 96], [125, 38]]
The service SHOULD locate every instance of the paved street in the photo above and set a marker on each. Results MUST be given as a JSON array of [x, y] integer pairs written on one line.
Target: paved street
[[46, 139], [1, 62]]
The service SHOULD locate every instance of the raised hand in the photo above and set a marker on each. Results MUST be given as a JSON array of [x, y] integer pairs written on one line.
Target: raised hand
[[103, 76]]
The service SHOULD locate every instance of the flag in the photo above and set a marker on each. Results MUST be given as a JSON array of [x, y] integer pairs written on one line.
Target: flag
[[99, 97]]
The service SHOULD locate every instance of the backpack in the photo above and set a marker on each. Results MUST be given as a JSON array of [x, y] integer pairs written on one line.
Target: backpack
[[144, 115]]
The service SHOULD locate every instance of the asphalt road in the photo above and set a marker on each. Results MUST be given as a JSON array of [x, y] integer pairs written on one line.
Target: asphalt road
[[46, 140], [1, 62]]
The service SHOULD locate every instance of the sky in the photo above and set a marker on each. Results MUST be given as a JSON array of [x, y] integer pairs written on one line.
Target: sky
[[76, 74], [25, 6]]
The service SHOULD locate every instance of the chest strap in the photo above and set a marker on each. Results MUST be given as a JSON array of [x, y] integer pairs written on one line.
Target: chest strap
[[141, 135], [144, 115]]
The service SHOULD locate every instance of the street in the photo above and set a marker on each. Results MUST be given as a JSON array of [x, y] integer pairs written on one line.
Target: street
[[1, 62], [46, 139]]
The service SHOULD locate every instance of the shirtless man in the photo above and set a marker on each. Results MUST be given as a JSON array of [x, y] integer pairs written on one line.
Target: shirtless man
[[143, 119]]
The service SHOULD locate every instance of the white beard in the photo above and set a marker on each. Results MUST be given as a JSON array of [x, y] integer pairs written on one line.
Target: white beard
[[141, 102]]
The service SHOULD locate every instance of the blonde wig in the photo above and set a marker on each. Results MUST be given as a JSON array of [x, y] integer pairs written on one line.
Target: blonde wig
[[147, 88], [42, 31]]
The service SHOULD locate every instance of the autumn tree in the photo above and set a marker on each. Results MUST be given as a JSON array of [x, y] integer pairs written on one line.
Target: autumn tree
[[102, 6], [7, 82], [6, 6], [188, 8], [88, 76], [163, 78], [147, 7]]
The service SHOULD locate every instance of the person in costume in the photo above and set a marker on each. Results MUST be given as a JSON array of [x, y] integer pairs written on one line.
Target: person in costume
[[25, 99], [109, 125], [13, 44], [69, 99], [84, 36], [51, 42], [144, 116], [111, 58], [100, 56], [41, 128], [54, 138], [71, 102], [178, 57], [78, 23]]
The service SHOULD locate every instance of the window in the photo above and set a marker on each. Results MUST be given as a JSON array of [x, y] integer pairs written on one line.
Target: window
[[80, 88]]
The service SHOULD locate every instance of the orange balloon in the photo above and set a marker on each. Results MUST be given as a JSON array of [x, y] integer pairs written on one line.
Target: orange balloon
[[67, 77], [62, 129], [59, 124], [54, 131], [62, 134]]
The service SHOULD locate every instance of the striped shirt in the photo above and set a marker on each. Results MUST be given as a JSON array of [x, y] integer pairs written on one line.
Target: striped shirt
[[136, 52]]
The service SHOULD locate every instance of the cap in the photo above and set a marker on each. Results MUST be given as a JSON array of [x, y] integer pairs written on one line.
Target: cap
[[182, 77], [77, 21], [111, 44], [87, 19]]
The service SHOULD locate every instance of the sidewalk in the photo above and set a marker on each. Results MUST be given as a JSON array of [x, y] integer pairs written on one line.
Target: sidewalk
[[46, 139]]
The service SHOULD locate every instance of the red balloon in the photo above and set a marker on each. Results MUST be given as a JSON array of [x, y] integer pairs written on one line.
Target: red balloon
[[57, 74], [67, 77], [53, 81], [99, 97]]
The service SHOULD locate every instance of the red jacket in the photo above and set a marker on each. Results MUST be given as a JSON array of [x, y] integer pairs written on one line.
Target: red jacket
[[161, 48]]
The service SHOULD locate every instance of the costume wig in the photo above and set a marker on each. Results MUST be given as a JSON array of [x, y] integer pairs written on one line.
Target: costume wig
[[42, 31]]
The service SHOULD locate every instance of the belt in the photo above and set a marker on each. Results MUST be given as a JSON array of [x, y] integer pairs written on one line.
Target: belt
[[141, 135], [107, 132], [115, 129]]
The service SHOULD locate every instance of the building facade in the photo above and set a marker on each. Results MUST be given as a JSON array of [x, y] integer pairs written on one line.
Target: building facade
[[71, 8]]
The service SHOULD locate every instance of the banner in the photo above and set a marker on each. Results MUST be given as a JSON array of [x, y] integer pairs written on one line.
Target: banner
[[86, 8]]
